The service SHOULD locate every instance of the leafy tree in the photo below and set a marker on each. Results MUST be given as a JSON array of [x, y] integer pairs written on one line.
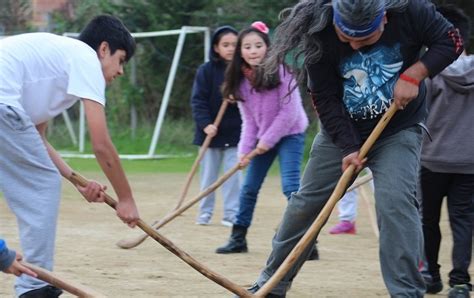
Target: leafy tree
[[15, 16], [154, 55], [468, 7]]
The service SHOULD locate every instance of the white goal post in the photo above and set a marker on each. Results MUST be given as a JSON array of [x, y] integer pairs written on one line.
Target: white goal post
[[166, 96]]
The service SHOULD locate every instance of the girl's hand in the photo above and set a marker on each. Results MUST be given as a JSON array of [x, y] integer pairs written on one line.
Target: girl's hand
[[211, 130], [243, 161], [93, 192], [353, 159], [231, 99], [262, 147]]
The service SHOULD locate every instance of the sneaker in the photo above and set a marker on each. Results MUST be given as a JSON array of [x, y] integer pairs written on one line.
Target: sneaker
[[227, 223], [433, 286], [343, 227], [44, 292], [459, 291], [203, 219]]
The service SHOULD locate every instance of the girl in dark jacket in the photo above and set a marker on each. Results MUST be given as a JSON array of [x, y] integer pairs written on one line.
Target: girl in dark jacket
[[205, 101]]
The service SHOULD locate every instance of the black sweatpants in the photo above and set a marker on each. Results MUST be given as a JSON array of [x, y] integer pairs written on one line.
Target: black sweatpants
[[459, 190]]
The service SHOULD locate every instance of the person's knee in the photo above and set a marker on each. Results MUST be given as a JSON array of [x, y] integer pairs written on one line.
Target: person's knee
[[303, 205], [249, 191]]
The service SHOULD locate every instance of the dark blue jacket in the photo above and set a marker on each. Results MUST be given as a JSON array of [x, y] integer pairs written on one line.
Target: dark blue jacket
[[206, 100]]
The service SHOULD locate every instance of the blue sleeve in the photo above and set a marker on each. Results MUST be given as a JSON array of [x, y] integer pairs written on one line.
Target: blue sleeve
[[7, 256], [200, 98]]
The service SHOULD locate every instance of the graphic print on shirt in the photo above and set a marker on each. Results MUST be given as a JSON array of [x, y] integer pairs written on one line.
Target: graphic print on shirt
[[369, 79]]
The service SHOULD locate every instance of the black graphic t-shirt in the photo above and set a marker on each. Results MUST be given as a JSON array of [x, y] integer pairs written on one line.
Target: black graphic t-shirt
[[352, 89], [369, 79]]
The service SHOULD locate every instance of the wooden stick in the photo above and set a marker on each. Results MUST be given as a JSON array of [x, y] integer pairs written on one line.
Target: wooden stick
[[338, 192], [366, 194], [134, 242], [224, 282], [58, 282], [202, 150], [360, 181]]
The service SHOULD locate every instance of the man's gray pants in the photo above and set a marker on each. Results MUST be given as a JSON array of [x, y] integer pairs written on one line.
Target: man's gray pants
[[31, 185], [394, 162]]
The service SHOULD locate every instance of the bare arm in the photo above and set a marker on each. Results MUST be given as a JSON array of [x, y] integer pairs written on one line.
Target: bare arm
[[109, 161], [93, 192], [62, 166]]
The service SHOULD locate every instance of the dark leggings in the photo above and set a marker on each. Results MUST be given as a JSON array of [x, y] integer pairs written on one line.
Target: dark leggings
[[459, 190]]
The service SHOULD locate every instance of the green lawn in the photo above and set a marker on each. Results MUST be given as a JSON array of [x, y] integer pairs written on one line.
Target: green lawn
[[164, 165], [174, 141]]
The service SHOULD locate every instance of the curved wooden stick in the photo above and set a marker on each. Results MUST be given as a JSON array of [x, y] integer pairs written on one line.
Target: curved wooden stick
[[131, 243], [221, 280], [58, 282], [366, 194], [338, 192], [360, 181], [202, 150]]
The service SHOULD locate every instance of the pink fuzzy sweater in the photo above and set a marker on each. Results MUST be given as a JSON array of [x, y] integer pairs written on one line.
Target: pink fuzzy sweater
[[270, 115]]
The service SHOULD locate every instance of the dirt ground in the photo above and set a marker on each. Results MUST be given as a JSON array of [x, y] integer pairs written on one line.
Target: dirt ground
[[87, 233]]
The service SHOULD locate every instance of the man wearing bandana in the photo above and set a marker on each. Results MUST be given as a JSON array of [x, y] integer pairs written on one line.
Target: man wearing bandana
[[360, 57]]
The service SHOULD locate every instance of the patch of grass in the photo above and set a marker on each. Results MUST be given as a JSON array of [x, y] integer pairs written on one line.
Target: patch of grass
[[175, 139], [165, 165]]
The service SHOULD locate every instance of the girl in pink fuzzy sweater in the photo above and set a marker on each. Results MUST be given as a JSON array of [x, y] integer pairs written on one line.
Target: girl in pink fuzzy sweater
[[273, 122]]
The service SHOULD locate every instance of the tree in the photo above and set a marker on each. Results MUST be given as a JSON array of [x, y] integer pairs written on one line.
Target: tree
[[154, 55], [15, 16], [468, 7]]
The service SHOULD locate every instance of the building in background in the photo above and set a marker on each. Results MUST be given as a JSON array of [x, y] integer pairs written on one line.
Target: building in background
[[42, 10]]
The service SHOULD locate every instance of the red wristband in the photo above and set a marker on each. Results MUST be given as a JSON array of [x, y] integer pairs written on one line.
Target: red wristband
[[409, 79]]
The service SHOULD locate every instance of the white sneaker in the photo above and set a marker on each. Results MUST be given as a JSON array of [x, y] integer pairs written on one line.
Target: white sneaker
[[203, 219], [227, 223]]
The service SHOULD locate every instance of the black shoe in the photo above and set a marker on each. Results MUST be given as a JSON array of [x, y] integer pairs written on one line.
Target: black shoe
[[314, 254], [433, 286], [253, 289], [233, 247], [237, 242], [44, 292], [459, 291]]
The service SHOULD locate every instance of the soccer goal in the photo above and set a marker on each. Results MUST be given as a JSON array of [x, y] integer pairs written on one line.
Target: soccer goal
[[79, 139]]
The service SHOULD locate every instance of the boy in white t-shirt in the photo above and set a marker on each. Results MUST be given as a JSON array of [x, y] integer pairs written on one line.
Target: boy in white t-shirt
[[41, 75]]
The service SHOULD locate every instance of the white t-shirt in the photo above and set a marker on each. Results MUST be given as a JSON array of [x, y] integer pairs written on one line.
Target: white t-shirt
[[44, 74]]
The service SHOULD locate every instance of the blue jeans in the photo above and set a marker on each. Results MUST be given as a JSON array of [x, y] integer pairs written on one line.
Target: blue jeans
[[394, 162], [290, 155]]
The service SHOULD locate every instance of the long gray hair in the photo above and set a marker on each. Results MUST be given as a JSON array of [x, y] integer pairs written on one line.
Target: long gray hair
[[298, 32]]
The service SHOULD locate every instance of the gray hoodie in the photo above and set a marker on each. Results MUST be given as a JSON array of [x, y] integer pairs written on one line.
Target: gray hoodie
[[451, 119]]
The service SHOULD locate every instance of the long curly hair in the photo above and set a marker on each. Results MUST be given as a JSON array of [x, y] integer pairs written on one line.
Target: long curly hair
[[298, 33]]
